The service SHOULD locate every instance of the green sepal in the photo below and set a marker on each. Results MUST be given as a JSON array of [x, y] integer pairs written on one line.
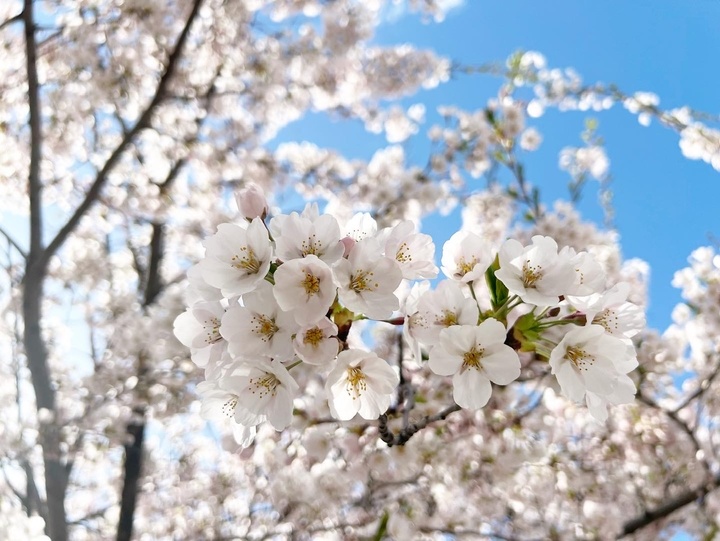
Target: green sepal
[[498, 292], [526, 332]]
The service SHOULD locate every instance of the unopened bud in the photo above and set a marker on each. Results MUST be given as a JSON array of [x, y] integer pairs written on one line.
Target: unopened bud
[[252, 202], [348, 242]]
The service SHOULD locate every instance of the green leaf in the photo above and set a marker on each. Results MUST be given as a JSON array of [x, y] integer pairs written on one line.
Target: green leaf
[[498, 292]]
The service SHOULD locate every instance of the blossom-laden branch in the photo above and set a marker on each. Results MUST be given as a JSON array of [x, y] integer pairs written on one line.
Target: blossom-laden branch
[[143, 122], [669, 507]]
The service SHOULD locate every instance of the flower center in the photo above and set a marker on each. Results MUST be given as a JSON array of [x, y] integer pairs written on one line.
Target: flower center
[[265, 385], [531, 274], [403, 254], [448, 319], [356, 383], [608, 319], [212, 326], [579, 357], [228, 408], [311, 284], [311, 246], [361, 281], [471, 359], [466, 266], [246, 261], [313, 336], [265, 327]]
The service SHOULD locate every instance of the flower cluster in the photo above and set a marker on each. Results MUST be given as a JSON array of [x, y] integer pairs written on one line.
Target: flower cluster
[[274, 293]]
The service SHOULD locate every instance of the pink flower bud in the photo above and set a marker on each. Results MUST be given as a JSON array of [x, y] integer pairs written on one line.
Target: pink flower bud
[[348, 242], [252, 202]]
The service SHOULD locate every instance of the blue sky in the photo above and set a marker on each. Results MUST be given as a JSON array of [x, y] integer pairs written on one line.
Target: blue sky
[[665, 204]]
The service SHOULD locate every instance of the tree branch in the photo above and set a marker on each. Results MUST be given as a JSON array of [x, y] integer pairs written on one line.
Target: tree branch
[[402, 437], [686, 498], [14, 243], [143, 122]]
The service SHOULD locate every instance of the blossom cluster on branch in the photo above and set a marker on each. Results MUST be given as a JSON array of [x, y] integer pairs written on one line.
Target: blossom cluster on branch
[[269, 297]]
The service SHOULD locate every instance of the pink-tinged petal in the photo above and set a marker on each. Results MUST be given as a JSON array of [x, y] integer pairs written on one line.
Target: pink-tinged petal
[[471, 389], [501, 364], [570, 381], [344, 405], [600, 376], [443, 363], [281, 413]]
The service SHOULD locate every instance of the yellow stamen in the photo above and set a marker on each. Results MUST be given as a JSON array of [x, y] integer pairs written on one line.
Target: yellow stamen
[[246, 261], [355, 382]]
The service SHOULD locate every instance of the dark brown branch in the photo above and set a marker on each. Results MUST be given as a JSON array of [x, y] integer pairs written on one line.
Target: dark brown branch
[[132, 469], [402, 437], [143, 122], [11, 20], [666, 509]]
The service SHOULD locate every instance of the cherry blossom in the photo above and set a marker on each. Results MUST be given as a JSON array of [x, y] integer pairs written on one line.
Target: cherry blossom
[[237, 258], [264, 389], [441, 308], [465, 257], [361, 382], [259, 327], [305, 288], [588, 359], [317, 343], [475, 356], [536, 272], [367, 280]]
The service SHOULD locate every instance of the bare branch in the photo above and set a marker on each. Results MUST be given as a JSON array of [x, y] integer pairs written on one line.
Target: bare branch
[[14, 243], [143, 122], [402, 437], [15, 19]]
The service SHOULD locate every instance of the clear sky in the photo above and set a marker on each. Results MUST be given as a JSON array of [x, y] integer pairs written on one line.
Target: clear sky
[[665, 204]]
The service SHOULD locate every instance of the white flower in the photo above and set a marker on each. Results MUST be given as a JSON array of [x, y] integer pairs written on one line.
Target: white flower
[[259, 327], [414, 252], [199, 329], [264, 388], [237, 259], [466, 257], [447, 305], [361, 382], [588, 359], [612, 311], [297, 236], [361, 226], [220, 403], [530, 139], [198, 289], [589, 275], [317, 343], [536, 273], [475, 356], [367, 281], [305, 288]]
